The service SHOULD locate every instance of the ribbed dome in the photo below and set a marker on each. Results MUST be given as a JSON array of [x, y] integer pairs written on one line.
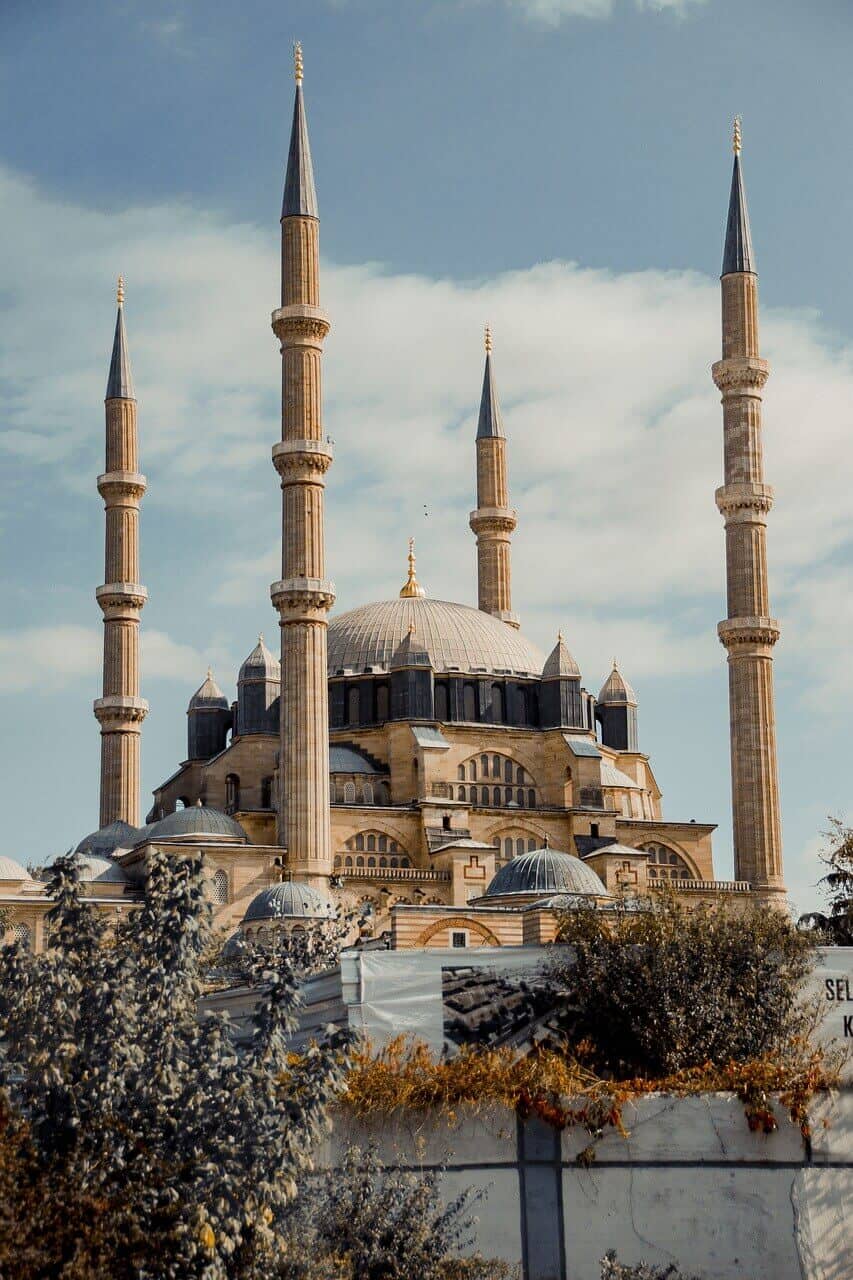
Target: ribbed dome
[[454, 636], [616, 689], [288, 900], [196, 820], [545, 871], [12, 870], [261, 664], [95, 870], [116, 835], [208, 695]]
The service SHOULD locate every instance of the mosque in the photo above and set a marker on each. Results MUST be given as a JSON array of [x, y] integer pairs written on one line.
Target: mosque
[[419, 758]]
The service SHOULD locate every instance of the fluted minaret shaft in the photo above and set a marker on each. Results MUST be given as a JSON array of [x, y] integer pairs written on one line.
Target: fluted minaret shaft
[[120, 710], [493, 521], [748, 632], [303, 596]]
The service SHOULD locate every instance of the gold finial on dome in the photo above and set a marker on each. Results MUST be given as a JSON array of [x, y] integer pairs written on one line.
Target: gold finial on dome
[[488, 340], [736, 138], [297, 61], [120, 291], [412, 588]]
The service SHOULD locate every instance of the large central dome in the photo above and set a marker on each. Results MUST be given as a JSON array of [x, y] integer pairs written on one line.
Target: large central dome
[[456, 637]]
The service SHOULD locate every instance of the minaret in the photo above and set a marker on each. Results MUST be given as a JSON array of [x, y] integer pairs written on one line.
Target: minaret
[[120, 711], [303, 596], [493, 521], [749, 632]]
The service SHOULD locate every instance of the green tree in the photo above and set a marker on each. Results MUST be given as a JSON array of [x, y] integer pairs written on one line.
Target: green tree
[[836, 923]]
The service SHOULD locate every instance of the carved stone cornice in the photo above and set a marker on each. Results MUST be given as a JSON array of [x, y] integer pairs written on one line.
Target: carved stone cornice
[[302, 461], [493, 520], [739, 374], [300, 325], [303, 599], [747, 633], [741, 503], [121, 596], [119, 488], [120, 713]]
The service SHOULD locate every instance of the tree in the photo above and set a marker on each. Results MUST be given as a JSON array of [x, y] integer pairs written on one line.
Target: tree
[[650, 992], [135, 1140], [837, 922]]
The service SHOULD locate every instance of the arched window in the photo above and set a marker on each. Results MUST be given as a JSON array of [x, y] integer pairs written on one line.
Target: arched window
[[232, 792], [382, 702], [442, 702], [469, 702], [519, 798], [180, 803], [349, 793], [660, 857], [359, 862], [383, 862], [359, 841], [496, 766], [472, 770], [353, 705], [348, 862], [508, 847], [519, 847], [384, 793], [460, 793], [393, 862], [484, 766], [496, 796], [531, 845], [460, 773], [383, 844], [521, 716], [220, 887], [497, 704], [22, 934], [367, 793], [371, 862], [531, 798], [507, 795], [484, 795], [266, 793], [371, 844], [519, 774], [507, 771], [404, 862]]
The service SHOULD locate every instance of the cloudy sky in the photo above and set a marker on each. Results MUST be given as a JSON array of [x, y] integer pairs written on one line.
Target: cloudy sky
[[558, 168]]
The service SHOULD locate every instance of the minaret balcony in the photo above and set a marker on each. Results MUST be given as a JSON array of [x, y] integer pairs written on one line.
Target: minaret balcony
[[119, 712], [748, 636], [303, 599], [302, 460], [300, 325], [738, 374], [119, 488], [493, 520]]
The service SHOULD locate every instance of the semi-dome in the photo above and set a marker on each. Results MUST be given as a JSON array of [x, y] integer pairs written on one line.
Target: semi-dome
[[116, 835], [617, 690], [261, 664], [196, 820], [545, 871], [12, 870], [96, 870], [455, 636], [288, 900]]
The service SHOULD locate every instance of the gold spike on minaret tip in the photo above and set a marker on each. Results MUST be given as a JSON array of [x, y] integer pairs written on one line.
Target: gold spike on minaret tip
[[412, 587], [210, 673], [736, 138], [120, 291], [488, 340], [297, 61]]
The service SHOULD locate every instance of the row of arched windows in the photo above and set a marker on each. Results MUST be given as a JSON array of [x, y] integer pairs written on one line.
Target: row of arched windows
[[366, 793], [498, 797], [666, 864], [232, 793], [515, 848], [373, 840], [479, 768], [358, 862]]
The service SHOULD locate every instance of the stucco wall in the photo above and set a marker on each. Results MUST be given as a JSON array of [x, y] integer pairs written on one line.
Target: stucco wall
[[690, 1185]]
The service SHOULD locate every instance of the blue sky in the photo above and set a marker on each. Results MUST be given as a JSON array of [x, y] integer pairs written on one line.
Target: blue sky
[[559, 168]]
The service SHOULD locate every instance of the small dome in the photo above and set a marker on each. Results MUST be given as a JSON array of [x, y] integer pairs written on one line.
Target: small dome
[[260, 664], [545, 871], [236, 946], [208, 696], [95, 870], [560, 663], [289, 900], [117, 835], [196, 820], [12, 870], [617, 690]]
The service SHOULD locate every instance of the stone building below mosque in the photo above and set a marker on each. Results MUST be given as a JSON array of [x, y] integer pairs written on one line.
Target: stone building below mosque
[[415, 758]]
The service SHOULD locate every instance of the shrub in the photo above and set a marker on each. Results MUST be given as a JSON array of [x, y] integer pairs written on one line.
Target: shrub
[[613, 1269], [648, 993]]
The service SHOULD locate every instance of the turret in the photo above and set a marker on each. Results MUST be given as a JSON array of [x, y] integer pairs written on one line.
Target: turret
[[560, 704], [493, 521], [208, 721], [616, 712], [120, 710], [748, 632], [258, 691], [411, 680]]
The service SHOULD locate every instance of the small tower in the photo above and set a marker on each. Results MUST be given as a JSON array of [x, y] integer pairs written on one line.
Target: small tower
[[303, 596], [493, 521], [560, 704], [120, 710], [258, 690], [411, 680], [208, 721], [744, 500], [616, 711]]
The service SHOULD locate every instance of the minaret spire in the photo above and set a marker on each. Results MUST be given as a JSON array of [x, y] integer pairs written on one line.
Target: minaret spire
[[303, 596], [493, 521], [744, 500], [120, 710]]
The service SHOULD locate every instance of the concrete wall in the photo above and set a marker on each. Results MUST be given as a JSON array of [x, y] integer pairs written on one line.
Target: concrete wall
[[690, 1185]]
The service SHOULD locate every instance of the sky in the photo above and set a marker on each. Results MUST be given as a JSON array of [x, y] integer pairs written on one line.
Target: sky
[[558, 169]]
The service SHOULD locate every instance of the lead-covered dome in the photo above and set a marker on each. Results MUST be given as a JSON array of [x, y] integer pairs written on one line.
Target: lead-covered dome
[[289, 900], [96, 870], [12, 870], [196, 820], [455, 636], [546, 871], [116, 835]]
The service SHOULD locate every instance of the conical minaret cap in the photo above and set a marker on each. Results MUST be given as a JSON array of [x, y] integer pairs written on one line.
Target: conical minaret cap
[[300, 197], [560, 664], [617, 690], [120, 379], [738, 255], [261, 664], [490, 422], [208, 695]]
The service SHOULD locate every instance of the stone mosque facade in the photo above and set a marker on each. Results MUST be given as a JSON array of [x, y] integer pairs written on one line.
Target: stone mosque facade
[[418, 759]]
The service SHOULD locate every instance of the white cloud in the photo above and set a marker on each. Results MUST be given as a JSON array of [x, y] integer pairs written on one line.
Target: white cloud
[[551, 13]]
